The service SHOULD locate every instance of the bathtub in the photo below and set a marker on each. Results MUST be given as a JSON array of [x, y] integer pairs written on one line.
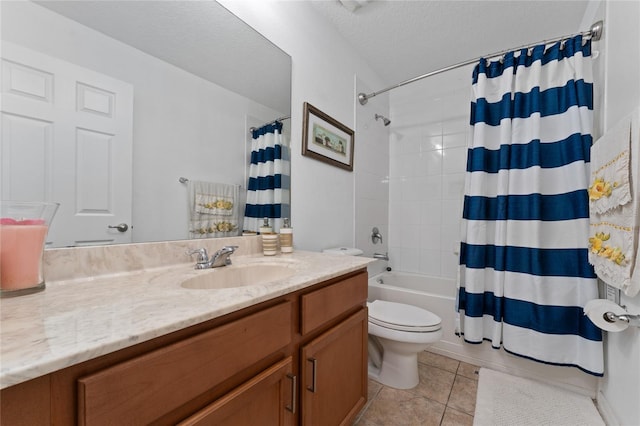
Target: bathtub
[[435, 294], [438, 295]]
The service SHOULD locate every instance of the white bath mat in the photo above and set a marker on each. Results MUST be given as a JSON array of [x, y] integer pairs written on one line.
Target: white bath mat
[[505, 400]]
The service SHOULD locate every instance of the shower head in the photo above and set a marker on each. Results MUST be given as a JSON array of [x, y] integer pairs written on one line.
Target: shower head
[[385, 120]]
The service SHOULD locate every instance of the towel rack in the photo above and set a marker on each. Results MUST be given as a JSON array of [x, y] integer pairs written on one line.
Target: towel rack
[[182, 179]]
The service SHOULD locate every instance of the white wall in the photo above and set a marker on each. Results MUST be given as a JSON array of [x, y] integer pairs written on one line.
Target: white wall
[[324, 69], [183, 125], [619, 70]]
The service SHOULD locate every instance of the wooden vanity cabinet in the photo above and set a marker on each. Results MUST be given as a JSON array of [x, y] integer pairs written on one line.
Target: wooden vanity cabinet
[[334, 362], [249, 367]]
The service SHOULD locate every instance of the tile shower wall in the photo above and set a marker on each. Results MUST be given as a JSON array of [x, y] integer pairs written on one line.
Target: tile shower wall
[[428, 140], [371, 173]]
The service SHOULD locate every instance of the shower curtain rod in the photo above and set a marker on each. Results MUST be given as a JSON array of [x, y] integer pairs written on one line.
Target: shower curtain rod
[[286, 117], [595, 32]]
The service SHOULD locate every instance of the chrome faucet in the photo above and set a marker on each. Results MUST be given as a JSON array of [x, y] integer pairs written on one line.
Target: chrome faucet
[[381, 256], [219, 258]]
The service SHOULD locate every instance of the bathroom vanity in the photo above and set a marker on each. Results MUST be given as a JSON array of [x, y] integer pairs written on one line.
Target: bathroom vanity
[[291, 351]]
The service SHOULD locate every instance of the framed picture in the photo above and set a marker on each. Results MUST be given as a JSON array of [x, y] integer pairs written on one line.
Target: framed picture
[[326, 139]]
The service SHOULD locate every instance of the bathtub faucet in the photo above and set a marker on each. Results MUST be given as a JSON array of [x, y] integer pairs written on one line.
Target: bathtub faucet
[[381, 256]]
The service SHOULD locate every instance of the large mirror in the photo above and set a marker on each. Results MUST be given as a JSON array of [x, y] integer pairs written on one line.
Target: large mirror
[[107, 104]]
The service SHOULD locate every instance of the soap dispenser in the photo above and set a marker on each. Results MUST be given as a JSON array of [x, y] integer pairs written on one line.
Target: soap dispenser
[[286, 237], [266, 228]]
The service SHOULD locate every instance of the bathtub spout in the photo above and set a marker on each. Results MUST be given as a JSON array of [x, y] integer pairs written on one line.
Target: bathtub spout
[[381, 256]]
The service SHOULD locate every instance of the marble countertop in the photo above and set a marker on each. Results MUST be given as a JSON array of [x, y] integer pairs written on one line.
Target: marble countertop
[[73, 321]]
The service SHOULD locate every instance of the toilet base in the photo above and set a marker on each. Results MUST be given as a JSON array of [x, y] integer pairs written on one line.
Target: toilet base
[[398, 371]]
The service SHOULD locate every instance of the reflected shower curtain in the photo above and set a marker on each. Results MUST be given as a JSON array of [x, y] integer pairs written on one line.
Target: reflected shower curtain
[[524, 274], [269, 183]]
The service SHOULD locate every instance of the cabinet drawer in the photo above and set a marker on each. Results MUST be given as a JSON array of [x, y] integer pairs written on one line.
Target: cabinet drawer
[[143, 389], [325, 304]]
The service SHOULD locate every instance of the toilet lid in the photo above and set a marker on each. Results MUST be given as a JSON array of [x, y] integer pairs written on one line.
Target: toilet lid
[[399, 316]]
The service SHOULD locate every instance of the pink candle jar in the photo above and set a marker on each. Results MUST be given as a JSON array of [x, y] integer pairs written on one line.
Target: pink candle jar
[[23, 232]]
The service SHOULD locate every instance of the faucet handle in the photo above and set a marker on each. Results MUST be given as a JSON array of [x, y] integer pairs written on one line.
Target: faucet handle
[[203, 256], [376, 237], [229, 250]]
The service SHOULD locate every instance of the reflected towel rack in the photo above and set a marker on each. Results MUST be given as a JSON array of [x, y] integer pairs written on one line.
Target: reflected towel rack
[[182, 179]]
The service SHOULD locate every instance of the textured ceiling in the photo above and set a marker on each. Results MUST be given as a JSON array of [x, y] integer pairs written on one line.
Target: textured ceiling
[[399, 39], [404, 39], [201, 37]]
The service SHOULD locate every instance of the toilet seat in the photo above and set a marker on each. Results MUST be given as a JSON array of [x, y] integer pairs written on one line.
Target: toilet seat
[[402, 317]]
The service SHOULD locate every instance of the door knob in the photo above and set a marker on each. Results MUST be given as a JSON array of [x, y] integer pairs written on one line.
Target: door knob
[[122, 227]]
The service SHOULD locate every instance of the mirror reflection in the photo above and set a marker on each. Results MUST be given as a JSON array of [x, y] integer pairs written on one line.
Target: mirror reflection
[[106, 105]]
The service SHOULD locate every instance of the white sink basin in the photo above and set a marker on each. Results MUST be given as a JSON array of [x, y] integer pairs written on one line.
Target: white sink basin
[[238, 276]]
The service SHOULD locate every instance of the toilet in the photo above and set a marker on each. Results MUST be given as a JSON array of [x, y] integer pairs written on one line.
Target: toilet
[[397, 334]]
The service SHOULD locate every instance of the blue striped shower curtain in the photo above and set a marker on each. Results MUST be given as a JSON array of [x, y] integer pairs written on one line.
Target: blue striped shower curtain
[[269, 182], [524, 275]]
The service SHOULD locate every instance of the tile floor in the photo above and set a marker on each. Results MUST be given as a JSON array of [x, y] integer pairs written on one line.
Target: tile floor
[[446, 395]]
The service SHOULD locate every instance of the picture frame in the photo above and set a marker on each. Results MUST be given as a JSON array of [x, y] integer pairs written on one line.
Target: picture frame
[[326, 139]]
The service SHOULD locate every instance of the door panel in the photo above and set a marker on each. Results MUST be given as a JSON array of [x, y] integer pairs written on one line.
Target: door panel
[[93, 172], [26, 158]]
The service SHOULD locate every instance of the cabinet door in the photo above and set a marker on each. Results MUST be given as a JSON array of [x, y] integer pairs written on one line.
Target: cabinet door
[[267, 399], [334, 373], [27, 403]]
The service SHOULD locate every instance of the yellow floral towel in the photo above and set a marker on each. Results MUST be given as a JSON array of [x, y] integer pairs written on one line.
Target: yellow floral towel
[[610, 169], [214, 204], [213, 209], [611, 252], [614, 206]]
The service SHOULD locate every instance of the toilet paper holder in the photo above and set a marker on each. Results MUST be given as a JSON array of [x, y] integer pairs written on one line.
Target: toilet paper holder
[[630, 319]]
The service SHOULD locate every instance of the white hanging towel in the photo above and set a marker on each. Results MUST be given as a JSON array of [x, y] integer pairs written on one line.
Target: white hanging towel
[[614, 205], [213, 209]]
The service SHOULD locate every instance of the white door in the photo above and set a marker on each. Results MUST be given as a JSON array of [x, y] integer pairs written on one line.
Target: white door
[[67, 138]]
